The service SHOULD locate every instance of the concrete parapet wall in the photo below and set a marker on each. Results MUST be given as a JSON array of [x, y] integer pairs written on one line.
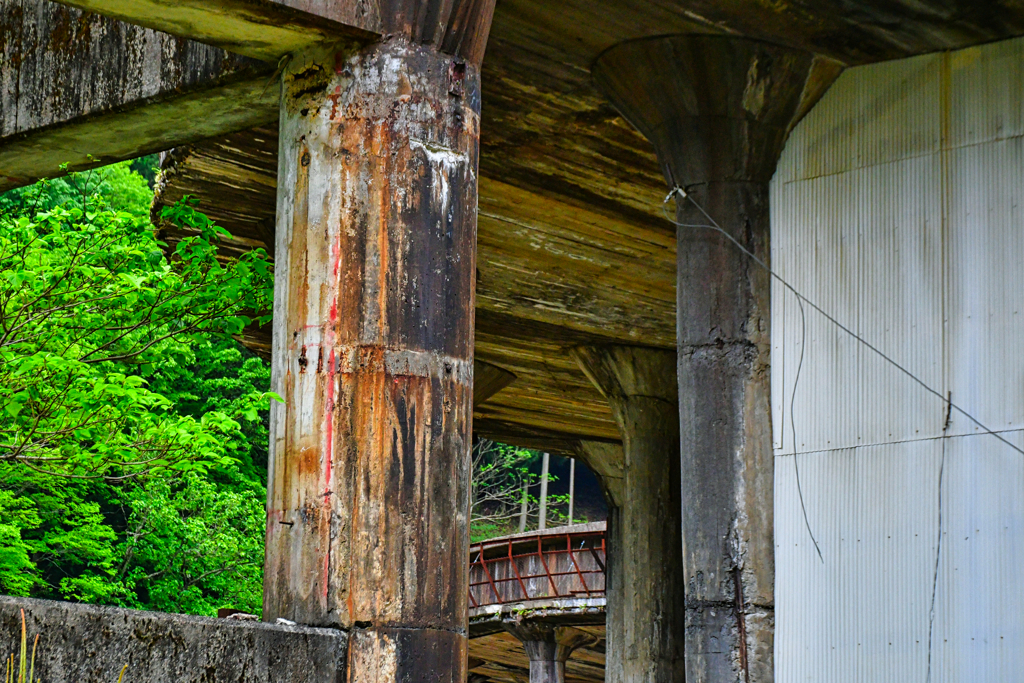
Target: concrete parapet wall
[[89, 644]]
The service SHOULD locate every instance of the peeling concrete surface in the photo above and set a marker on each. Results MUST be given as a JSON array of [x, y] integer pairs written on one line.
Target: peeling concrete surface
[[368, 500]]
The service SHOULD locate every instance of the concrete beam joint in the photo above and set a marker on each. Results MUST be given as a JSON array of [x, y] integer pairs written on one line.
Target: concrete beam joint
[[271, 29], [621, 372], [716, 108]]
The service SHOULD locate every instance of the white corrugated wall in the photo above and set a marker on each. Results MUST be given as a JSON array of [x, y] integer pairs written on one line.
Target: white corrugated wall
[[897, 207]]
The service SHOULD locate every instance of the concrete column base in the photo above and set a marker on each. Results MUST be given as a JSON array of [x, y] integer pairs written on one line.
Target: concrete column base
[[548, 648]]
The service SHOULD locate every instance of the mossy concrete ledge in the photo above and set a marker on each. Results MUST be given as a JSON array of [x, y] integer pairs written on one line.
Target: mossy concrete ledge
[[90, 644]]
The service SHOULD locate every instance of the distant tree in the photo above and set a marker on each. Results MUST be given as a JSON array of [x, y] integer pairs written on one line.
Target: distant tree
[[501, 481], [89, 307], [114, 188], [192, 545], [502, 498], [133, 428]]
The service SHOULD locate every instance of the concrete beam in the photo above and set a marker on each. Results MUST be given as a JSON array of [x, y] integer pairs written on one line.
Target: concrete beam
[[646, 619], [88, 643], [488, 380], [718, 111], [85, 90], [606, 461], [271, 29], [375, 272], [260, 29]]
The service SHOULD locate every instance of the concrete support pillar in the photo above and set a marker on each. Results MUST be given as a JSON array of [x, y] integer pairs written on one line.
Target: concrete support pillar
[[645, 617], [718, 110], [548, 648], [373, 345]]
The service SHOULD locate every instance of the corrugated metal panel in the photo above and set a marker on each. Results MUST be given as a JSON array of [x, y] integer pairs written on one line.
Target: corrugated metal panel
[[986, 93], [978, 634], [863, 615], [869, 121], [860, 614], [864, 245], [896, 209], [986, 283]]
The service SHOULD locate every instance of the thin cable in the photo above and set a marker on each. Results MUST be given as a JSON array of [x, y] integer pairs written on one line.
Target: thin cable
[[799, 366], [792, 428], [938, 543], [844, 328]]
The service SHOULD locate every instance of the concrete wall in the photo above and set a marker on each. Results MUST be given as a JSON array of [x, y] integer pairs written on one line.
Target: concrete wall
[[897, 207], [88, 644]]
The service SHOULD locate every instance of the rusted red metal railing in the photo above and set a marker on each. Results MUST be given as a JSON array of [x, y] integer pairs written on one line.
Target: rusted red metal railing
[[542, 566]]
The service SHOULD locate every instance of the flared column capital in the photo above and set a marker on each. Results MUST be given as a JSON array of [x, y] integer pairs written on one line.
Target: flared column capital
[[716, 108]]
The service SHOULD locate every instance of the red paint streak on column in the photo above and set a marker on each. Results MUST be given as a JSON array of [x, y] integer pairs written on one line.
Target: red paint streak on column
[[329, 426], [330, 341]]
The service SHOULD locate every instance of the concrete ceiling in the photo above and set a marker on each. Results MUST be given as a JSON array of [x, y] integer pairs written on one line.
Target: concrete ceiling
[[573, 246]]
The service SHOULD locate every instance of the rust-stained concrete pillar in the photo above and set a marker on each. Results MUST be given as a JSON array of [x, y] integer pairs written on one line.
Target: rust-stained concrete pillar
[[645, 616], [373, 343], [548, 648], [718, 110]]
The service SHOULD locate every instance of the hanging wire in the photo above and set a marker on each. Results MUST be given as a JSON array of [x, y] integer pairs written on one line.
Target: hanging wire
[[938, 542], [844, 328], [803, 345], [801, 299], [792, 426]]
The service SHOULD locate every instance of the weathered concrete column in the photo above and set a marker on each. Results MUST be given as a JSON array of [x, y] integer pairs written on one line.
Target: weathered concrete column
[[645, 616], [718, 111], [548, 648], [373, 344]]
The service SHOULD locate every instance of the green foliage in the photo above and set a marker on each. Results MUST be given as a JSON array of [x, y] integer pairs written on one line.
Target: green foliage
[[220, 376], [503, 492], [501, 483], [113, 187], [17, 571], [148, 167], [89, 308], [189, 543], [133, 435], [194, 545]]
